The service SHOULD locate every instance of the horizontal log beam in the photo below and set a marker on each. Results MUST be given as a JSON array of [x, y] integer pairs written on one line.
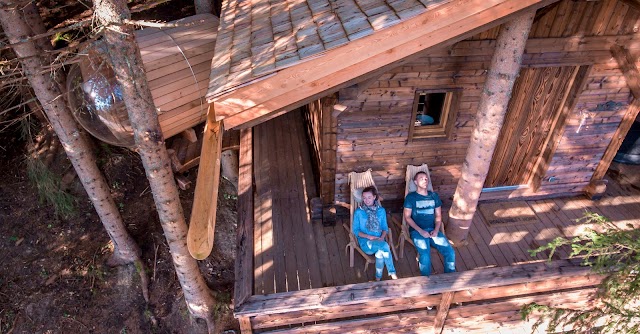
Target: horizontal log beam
[[414, 287]]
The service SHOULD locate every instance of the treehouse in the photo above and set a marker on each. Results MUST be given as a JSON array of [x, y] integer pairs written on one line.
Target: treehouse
[[319, 89]]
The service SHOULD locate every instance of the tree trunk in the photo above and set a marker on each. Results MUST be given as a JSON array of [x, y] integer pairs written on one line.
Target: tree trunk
[[203, 6], [505, 66], [56, 108], [127, 65]]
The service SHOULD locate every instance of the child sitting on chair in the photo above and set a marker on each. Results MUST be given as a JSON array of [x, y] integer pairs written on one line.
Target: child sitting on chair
[[370, 227]]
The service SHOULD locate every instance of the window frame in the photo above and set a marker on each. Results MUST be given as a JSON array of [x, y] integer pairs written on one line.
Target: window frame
[[447, 118]]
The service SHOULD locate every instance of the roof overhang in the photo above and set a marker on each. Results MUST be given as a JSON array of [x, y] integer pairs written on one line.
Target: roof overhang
[[292, 87]]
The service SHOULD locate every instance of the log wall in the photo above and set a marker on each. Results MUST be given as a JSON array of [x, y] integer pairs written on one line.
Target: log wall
[[373, 132]]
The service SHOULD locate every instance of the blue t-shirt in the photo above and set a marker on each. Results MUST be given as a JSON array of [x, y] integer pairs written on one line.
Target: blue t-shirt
[[360, 222], [423, 209]]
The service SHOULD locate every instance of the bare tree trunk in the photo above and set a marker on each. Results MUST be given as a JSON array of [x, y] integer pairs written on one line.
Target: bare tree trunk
[[56, 108], [127, 65], [505, 66], [47, 145], [203, 6]]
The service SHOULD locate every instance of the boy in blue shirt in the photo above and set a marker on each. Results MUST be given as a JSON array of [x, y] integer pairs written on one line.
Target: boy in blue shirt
[[423, 213]]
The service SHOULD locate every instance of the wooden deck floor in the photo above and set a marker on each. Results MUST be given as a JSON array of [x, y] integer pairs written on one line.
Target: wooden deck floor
[[293, 253]]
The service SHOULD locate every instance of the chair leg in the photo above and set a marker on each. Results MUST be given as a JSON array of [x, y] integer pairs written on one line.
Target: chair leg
[[366, 265], [401, 246], [351, 257], [393, 247]]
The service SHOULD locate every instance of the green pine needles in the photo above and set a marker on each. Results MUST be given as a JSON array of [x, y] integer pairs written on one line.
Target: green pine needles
[[48, 185], [609, 250]]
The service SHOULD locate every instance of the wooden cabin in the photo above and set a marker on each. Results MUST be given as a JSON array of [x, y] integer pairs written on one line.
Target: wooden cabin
[[321, 88]]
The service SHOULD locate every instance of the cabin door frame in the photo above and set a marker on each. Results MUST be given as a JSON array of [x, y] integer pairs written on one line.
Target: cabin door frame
[[529, 127]]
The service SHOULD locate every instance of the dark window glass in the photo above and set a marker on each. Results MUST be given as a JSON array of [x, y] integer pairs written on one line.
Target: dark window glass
[[429, 108]]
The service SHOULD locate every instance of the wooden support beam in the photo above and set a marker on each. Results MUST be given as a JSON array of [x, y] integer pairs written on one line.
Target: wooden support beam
[[190, 135], [352, 92], [338, 68], [402, 303], [329, 145], [205, 199], [443, 311], [245, 325], [630, 71], [635, 4], [628, 67], [244, 237], [505, 67], [598, 186], [414, 287]]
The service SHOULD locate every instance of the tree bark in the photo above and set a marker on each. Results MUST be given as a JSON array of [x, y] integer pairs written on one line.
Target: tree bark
[[505, 66], [77, 148], [127, 64], [203, 6]]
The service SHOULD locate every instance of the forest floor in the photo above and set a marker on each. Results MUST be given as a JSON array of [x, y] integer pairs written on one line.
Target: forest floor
[[53, 272]]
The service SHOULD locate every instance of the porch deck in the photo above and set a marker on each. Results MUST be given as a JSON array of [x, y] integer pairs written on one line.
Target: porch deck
[[291, 253]]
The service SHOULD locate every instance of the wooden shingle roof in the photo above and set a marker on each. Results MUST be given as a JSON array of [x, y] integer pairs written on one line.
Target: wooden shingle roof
[[257, 37], [271, 56]]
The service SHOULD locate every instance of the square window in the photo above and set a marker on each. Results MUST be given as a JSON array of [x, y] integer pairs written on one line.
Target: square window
[[434, 112]]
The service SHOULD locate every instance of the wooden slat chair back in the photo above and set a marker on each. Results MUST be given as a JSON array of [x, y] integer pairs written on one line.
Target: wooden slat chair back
[[410, 186], [357, 182]]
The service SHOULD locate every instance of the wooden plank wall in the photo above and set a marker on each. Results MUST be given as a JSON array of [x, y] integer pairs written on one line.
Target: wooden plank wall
[[373, 132], [177, 62], [321, 128], [600, 109]]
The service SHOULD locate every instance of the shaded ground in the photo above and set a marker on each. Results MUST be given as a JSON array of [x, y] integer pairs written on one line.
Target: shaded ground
[[53, 277]]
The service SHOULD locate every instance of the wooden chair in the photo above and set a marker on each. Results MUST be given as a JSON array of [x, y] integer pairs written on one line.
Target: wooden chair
[[410, 186], [359, 181]]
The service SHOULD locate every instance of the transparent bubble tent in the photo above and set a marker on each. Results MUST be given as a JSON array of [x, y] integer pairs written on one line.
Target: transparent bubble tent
[[177, 63], [96, 101]]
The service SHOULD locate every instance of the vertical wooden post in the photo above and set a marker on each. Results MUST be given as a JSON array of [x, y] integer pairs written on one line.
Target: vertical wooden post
[[628, 67], [244, 246], [505, 66], [443, 311], [245, 325], [202, 224], [328, 147]]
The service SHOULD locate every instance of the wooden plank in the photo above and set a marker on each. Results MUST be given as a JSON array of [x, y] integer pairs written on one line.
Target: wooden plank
[[627, 63], [557, 129], [480, 247], [243, 286], [347, 311], [326, 274], [338, 67], [408, 287], [293, 184], [421, 302], [205, 199], [307, 188], [443, 311], [245, 325], [283, 259], [501, 253], [406, 322], [334, 255], [628, 119], [258, 211]]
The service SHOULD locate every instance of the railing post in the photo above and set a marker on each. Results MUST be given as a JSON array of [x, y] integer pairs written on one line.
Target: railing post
[[443, 311]]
